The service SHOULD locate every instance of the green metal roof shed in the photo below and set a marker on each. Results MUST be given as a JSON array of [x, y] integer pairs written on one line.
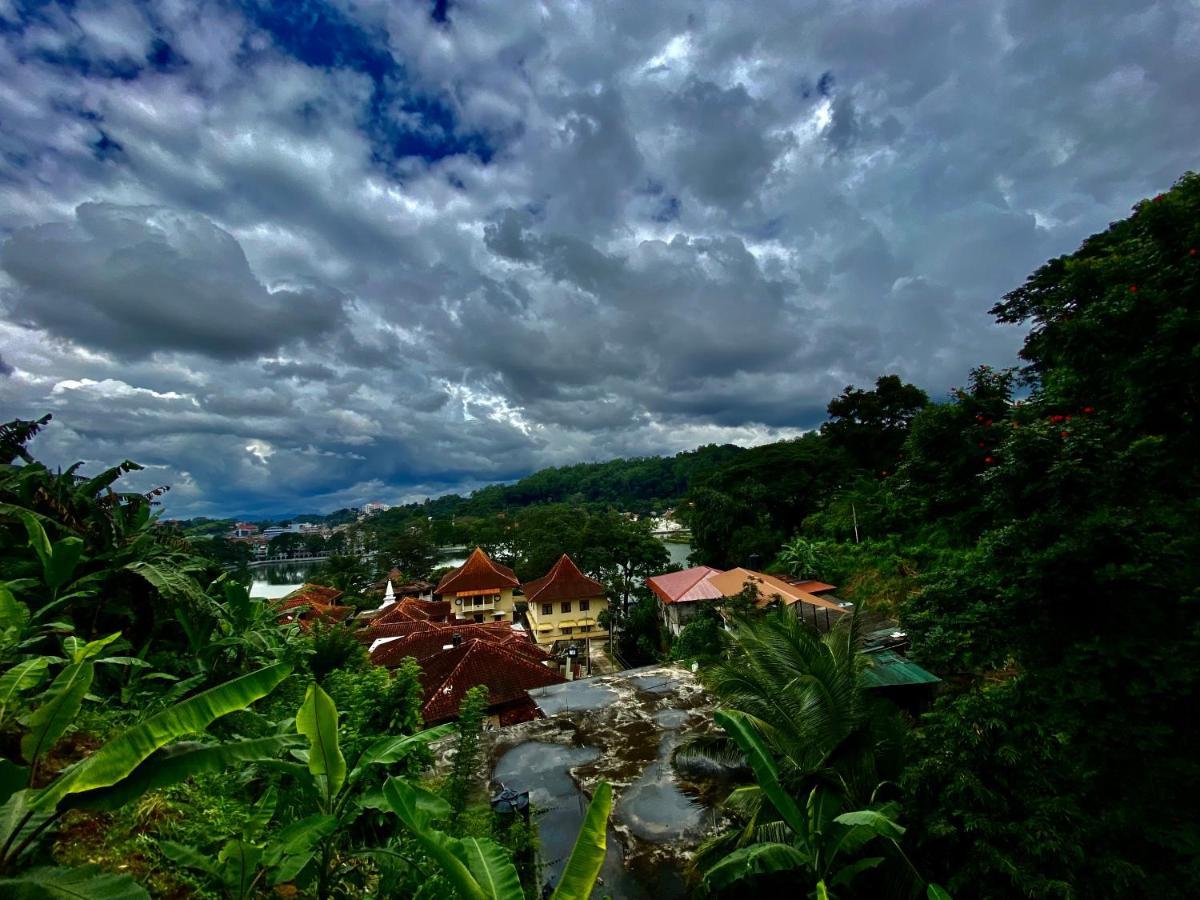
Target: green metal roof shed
[[890, 669]]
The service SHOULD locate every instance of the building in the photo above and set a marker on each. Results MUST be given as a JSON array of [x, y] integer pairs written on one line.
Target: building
[[480, 590], [565, 605], [682, 594], [819, 611], [244, 529]]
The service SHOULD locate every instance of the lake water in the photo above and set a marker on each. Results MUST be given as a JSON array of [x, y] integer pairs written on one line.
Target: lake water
[[279, 579]]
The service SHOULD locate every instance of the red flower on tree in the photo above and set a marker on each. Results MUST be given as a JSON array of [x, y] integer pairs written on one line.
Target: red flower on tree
[[1056, 419], [988, 460], [1133, 289], [1088, 410]]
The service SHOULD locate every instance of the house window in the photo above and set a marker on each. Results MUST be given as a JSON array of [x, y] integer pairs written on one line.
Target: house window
[[566, 606], [547, 609], [479, 618], [565, 630], [585, 605]]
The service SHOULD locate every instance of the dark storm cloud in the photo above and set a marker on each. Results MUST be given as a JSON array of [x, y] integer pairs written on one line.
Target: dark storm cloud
[[137, 280], [318, 253]]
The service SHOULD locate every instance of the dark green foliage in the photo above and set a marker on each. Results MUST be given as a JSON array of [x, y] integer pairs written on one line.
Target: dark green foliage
[[465, 781], [334, 648], [700, 639], [870, 426]]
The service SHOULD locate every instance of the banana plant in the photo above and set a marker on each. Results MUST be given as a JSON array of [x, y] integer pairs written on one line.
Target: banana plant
[[144, 757], [825, 843], [311, 849], [479, 868]]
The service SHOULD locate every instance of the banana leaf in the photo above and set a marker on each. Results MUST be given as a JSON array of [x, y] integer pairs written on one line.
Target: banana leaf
[[175, 763], [22, 677], [48, 722], [766, 773], [493, 868], [120, 756], [71, 884], [757, 859], [446, 852], [579, 876], [317, 720]]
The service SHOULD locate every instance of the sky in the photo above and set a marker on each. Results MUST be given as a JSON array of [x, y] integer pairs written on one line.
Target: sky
[[303, 255]]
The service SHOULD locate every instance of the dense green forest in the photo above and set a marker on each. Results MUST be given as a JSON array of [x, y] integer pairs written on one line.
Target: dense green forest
[[1035, 533]]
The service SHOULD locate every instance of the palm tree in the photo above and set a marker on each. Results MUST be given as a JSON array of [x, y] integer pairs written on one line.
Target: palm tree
[[800, 696]]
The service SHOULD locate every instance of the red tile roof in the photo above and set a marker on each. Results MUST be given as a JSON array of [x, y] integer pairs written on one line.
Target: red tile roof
[[687, 586], [412, 610], [421, 645], [478, 573], [310, 593], [312, 602], [563, 582], [508, 676]]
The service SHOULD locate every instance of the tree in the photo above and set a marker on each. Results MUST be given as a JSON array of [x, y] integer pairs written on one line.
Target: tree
[[464, 773], [412, 550], [871, 425], [1091, 488], [802, 695]]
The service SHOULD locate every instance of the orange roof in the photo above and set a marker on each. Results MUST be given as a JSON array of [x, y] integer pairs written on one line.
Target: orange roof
[[508, 676], [563, 582], [812, 587], [768, 586], [478, 573], [687, 586]]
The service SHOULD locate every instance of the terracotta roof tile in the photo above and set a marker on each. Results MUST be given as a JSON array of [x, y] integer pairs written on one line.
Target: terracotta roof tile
[[507, 675], [412, 610], [478, 573], [421, 645], [564, 581]]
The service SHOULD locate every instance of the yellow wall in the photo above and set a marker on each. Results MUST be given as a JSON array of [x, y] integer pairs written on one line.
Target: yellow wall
[[539, 620], [469, 608]]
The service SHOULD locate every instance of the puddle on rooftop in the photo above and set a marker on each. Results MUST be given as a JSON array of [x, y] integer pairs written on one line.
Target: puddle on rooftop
[[621, 729], [573, 696]]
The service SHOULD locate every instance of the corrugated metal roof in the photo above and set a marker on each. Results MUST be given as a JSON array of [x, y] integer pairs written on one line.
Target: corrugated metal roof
[[687, 586], [890, 669]]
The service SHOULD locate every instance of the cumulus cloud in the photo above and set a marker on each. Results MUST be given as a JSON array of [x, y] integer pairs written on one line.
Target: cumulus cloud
[[319, 253]]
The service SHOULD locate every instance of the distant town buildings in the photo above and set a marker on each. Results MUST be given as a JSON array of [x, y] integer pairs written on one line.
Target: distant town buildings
[[370, 509]]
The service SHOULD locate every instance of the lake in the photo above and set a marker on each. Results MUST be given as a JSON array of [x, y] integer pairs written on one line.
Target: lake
[[279, 579]]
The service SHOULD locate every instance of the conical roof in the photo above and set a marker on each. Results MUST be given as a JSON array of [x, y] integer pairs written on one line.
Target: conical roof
[[564, 581], [478, 573]]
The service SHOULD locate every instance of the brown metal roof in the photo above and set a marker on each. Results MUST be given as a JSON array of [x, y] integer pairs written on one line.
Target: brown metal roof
[[508, 676]]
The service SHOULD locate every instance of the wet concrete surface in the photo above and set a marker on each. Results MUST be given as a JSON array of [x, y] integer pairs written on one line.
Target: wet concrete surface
[[619, 728]]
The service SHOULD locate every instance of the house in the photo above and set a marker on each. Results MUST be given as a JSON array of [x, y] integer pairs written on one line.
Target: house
[[565, 604], [423, 640], [681, 594], [819, 611], [479, 589], [401, 587]]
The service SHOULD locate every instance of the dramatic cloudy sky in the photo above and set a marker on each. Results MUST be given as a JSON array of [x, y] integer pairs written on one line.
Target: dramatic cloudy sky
[[301, 255]]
